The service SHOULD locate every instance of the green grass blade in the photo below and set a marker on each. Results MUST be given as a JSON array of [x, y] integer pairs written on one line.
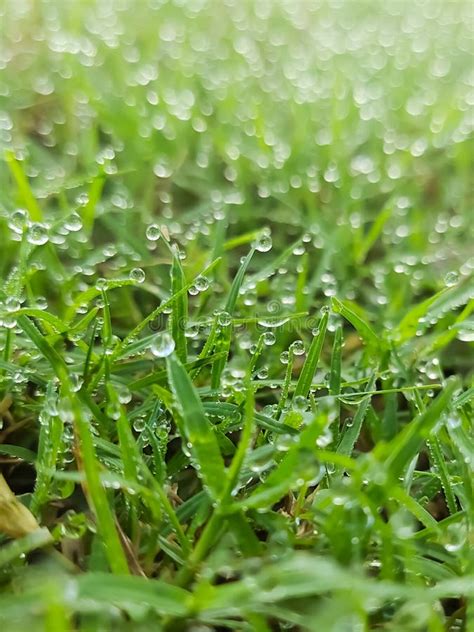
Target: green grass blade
[[335, 371], [179, 314], [362, 327], [298, 465], [305, 379], [350, 436], [408, 442], [237, 283], [97, 494], [23, 186], [196, 430], [106, 591], [373, 234]]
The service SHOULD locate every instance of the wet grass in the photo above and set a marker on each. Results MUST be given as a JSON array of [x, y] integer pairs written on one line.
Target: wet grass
[[236, 385]]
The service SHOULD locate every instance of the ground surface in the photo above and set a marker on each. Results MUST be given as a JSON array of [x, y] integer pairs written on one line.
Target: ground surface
[[236, 385]]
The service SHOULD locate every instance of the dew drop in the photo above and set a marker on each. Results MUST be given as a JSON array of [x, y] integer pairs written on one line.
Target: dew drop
[[137, 275], [224, 319], [284, 357], [37, 234], [451, 278], [201, 283], [298, 347], [264, 243], [153, 232], [300, 403], [124, 395], [269, 338], [73, 223], [162, 345], [139, 424]]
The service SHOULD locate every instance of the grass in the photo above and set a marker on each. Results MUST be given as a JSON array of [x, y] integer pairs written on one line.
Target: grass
[[236, 383]]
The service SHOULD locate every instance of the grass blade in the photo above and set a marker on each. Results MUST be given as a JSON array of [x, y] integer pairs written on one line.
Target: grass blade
[[350, 436], [196, 430], [179, 315], [360, 324], [408, 442], [305, 379], [23, 186]]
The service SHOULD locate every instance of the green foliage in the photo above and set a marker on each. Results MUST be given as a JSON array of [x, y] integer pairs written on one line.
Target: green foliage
[[236, 297]]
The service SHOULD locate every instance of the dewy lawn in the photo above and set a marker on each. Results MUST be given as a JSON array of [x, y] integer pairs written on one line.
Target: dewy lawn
[[236, 307]]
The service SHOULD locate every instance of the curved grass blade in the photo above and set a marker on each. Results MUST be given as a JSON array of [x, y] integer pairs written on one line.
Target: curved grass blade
[[360, 324], [222, 344], [305, 379], [29, 542], [371, 237], [196, 430], [299, 462], [107, 590], [352, 433], [434, 308], [335, 371], [135, 469], [408, 442], [23, 186], [179, 314], [237, 283]]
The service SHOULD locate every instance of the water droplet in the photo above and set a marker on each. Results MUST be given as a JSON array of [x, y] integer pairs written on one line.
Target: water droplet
[[41, 303], [65, 411], [37, 234], [139, 424], [451, 278], [192, 331], [268, 338], [263, 243], [18, 221], [300, 403], [73, 223], [224, 319], [324, 439], [137, 275], [284, 357], [51, 405], [153, 232], [298, 347], [12, 304], [162, 345], [260, 462], [201, 283], [76, 382], [113, 410], [124, 395]]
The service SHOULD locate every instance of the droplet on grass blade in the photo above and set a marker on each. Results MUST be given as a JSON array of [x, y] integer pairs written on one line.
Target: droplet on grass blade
[[268, 338], [137, 275], [451, 278], [162, 345], [73, 223], [153, 232], [201, 283], [298, 347], [224, 319], [18, 221], [37, 234], [264, 243]]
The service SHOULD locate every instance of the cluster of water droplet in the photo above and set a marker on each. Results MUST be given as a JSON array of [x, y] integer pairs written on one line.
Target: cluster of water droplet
[[344, 165]]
